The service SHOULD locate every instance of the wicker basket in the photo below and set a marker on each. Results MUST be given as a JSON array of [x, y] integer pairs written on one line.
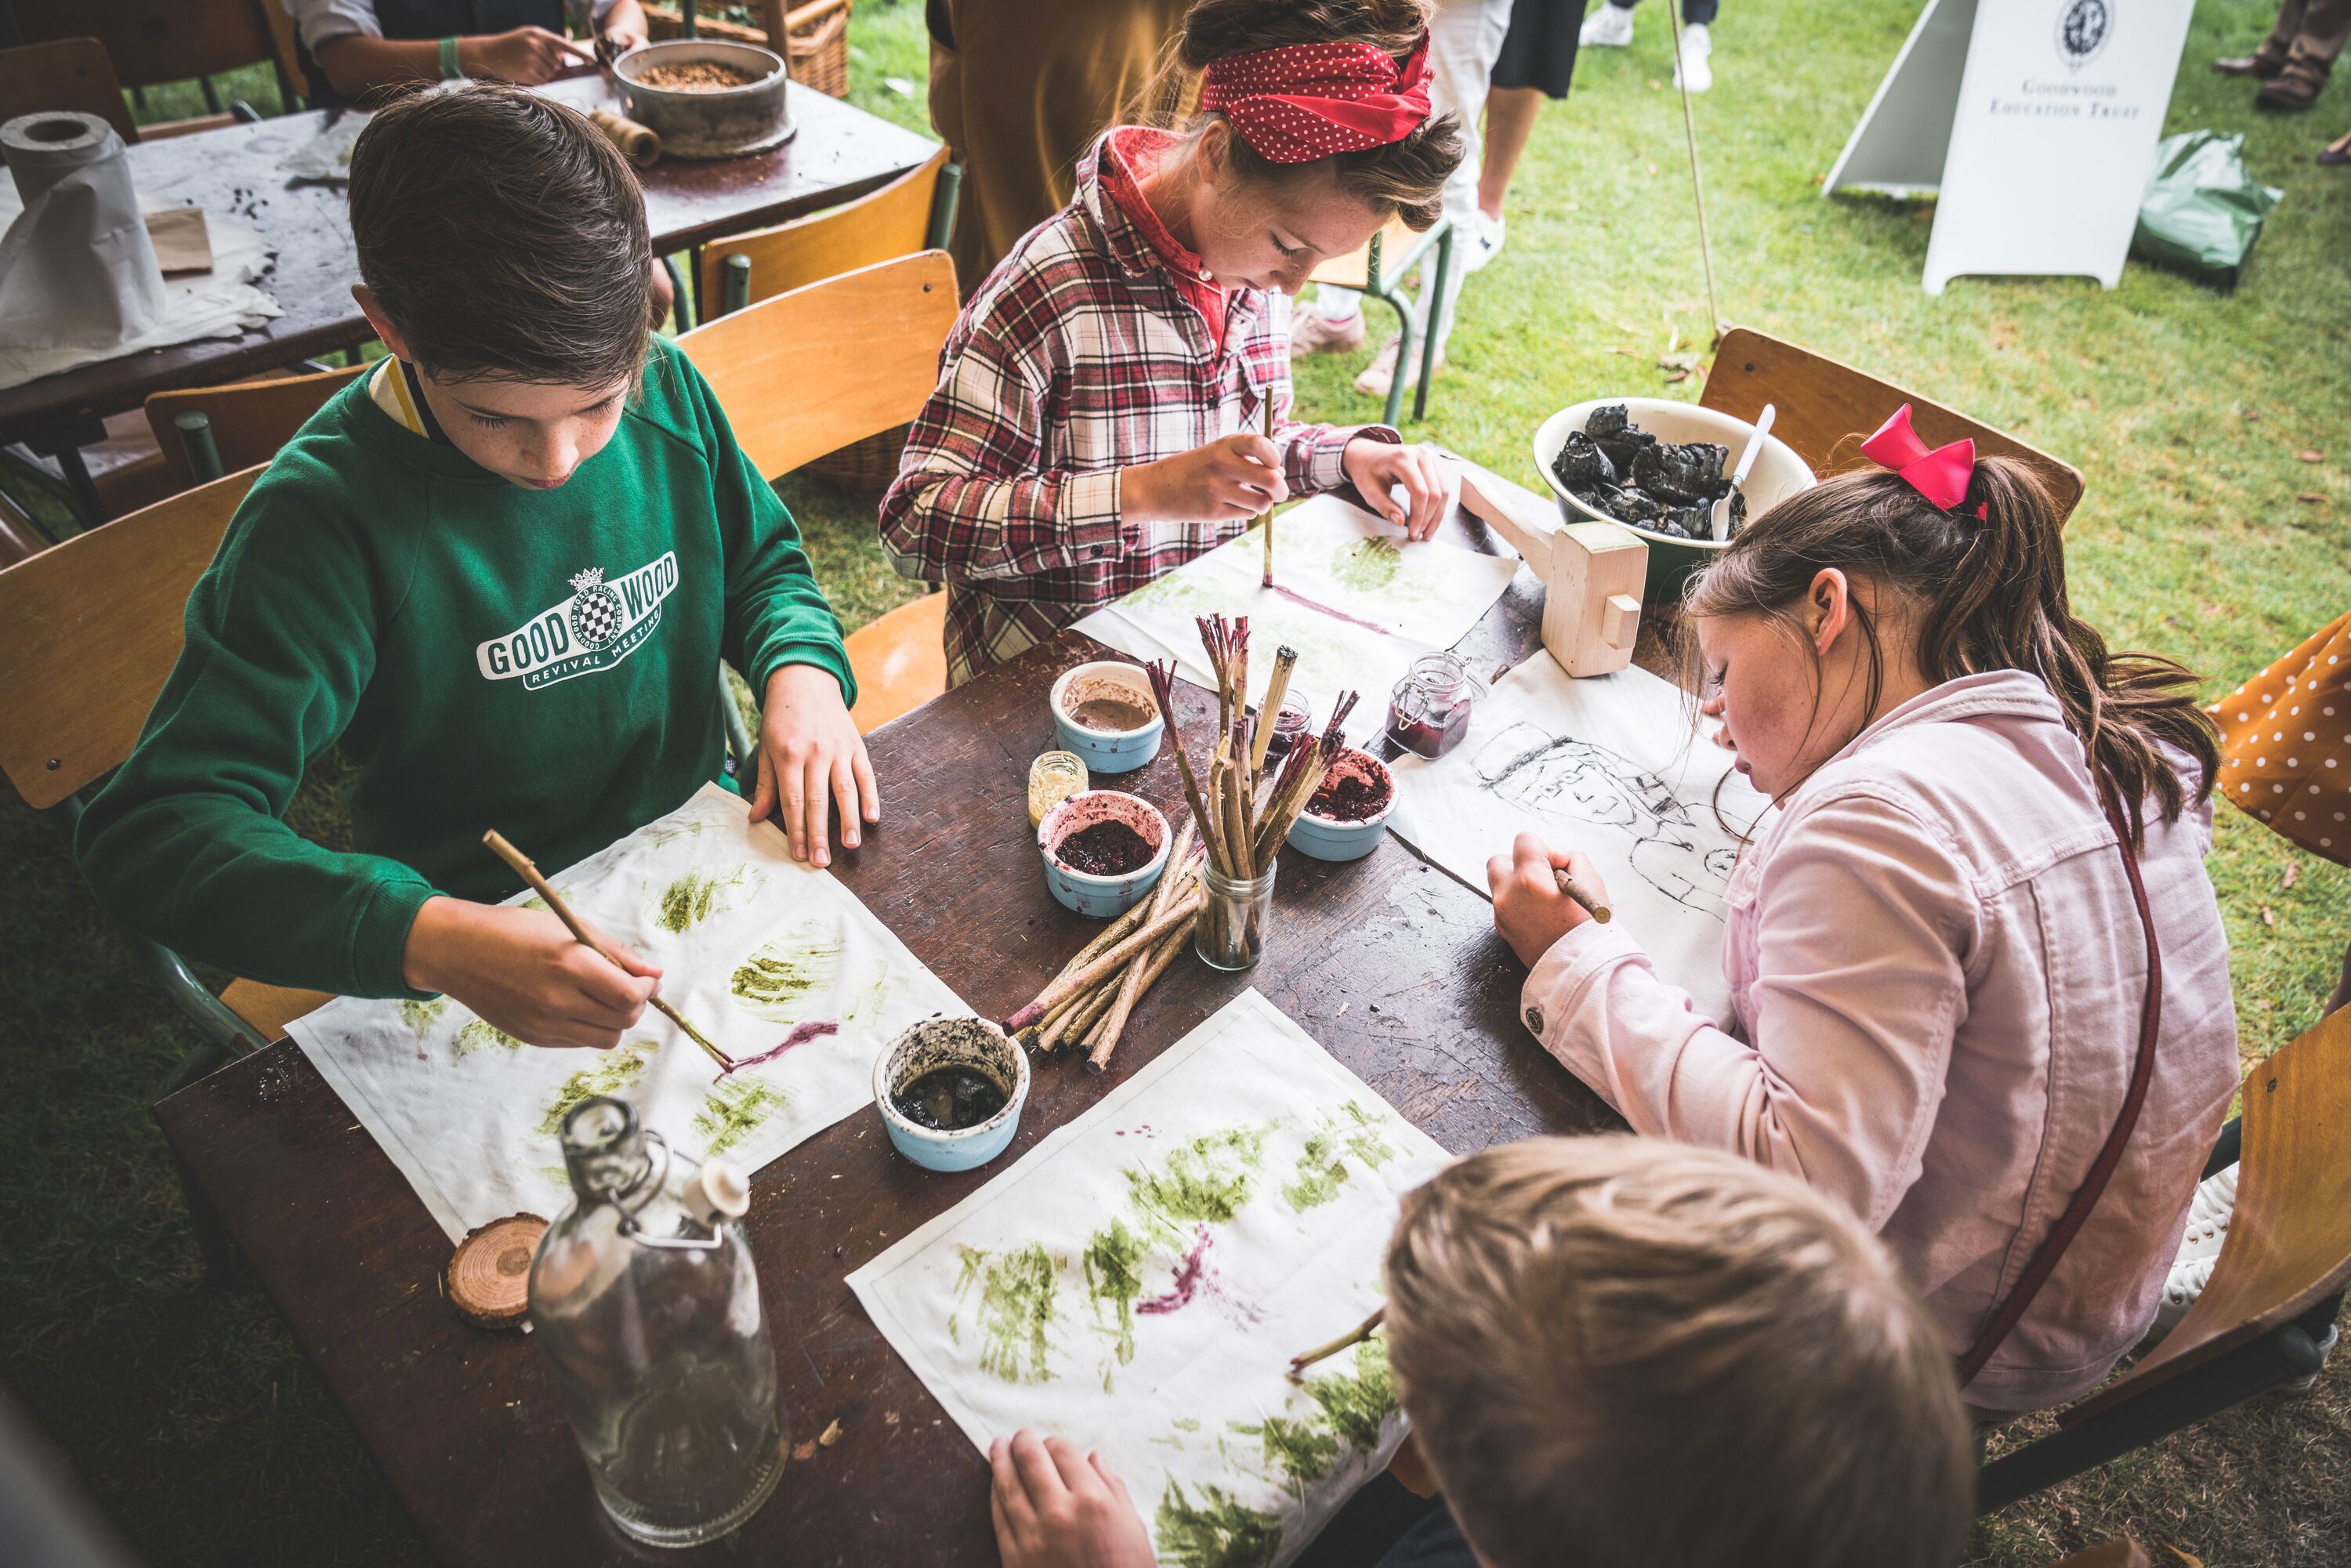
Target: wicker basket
[[819, 32], [862, 467]]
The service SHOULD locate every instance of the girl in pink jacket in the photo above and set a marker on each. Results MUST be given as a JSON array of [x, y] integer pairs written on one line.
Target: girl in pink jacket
[[1937, 961]]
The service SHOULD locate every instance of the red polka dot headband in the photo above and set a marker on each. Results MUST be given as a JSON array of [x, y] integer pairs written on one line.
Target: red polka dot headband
[[1304, 101]]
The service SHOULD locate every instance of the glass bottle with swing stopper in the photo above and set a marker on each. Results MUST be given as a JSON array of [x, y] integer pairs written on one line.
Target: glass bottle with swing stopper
[[644, 1298]]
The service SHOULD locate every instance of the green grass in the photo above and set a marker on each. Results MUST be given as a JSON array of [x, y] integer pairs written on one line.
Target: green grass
[[196, 1423]]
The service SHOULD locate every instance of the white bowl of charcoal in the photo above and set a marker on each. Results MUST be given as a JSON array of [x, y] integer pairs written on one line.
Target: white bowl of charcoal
[[1656, 466]]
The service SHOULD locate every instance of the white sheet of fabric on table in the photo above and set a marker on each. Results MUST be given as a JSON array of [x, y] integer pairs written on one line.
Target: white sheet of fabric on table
[[1138, 1282], [754, 948], [221, 303], [1609, 764], [1372, 601]]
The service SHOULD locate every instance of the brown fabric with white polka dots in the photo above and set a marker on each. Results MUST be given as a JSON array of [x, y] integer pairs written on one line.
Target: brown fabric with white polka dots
[[1304, 101], [2285, 744]]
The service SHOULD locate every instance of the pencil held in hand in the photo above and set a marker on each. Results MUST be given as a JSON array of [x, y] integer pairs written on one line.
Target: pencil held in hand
[[1591, 906]]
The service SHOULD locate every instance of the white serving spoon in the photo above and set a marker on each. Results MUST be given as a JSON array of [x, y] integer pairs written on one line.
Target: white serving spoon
[[1739, 474]]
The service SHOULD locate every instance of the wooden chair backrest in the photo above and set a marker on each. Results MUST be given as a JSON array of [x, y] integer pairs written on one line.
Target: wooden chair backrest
[[65, 74], [281, 39], [153, 41], [90, 630], [881, 225], [1354, 270], [808, 372], [1826, 409], [250, 420], [2289, 1245]]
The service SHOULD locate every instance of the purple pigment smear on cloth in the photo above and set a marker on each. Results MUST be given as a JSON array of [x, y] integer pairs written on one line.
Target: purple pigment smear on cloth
[[1296, 598], [1194, 1278], [801, 1034]]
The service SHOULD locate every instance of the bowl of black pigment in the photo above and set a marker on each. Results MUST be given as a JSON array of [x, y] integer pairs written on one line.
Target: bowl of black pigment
[[950, 1092]]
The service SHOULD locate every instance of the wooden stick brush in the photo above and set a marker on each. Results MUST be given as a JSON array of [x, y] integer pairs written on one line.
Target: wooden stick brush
[[1354, 1336], [1266, 520], [523, 869], [1591, 907]]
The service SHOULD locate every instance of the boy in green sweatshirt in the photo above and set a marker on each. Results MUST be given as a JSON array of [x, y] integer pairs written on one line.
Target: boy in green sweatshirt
[[500, 570]]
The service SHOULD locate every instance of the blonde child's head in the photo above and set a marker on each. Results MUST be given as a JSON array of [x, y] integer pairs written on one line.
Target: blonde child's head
[[1264, 213], [1633, 1354]]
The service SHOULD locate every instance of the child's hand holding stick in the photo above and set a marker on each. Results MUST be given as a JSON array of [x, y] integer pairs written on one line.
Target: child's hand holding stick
[[523, 868]]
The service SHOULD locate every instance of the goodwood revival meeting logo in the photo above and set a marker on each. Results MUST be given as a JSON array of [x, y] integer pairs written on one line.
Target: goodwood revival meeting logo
[[600, 625], [2083, 28]]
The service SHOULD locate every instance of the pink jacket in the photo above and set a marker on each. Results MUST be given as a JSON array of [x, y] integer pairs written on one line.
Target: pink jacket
[[1937, 970]]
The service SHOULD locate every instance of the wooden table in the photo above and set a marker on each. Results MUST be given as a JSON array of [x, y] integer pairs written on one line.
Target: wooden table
[[1388, 962], [840, 151]]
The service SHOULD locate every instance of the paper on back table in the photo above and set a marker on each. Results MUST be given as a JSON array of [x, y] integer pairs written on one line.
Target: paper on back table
[[1393, 600], [471, 1117], [1609, 764], [1297, 1264]]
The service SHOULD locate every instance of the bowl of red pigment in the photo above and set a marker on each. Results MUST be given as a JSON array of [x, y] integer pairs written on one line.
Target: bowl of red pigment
[[1104, 850], [1346, 815], [1105, 713]]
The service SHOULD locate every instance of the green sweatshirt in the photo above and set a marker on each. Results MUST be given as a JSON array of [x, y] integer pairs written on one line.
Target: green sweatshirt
[[542, 661]]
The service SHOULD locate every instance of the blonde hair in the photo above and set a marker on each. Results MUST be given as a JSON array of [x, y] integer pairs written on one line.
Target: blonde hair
[[1649, 1354]]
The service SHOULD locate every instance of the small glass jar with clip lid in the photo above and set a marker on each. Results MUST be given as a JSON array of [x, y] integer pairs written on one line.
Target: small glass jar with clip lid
[[1428, 712]]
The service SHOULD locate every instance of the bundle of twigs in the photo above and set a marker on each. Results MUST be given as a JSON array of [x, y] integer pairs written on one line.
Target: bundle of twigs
[[1088, 1003]]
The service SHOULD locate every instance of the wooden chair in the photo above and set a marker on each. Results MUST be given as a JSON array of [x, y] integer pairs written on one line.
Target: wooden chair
[[2123, 1554], [805, 374], [1379, 270], [70, 74], [1825, 408], [913, 211], [205, 431], [156, 41], [2275, 1288]]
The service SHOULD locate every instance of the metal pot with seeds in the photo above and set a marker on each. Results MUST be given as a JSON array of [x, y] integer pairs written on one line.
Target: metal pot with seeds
[[706, 98]]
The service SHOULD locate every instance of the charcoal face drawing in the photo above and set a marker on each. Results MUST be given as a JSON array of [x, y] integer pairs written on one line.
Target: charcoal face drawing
[[1564, 779]]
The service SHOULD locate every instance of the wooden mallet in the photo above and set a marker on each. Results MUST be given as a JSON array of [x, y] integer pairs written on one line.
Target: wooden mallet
[[541, 887]]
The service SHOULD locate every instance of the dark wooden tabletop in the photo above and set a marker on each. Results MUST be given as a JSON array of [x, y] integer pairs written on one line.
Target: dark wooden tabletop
[[1388, 962], [839, 152]]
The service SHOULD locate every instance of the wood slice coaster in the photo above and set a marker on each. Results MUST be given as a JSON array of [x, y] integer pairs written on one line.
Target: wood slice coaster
[[488, 1278]]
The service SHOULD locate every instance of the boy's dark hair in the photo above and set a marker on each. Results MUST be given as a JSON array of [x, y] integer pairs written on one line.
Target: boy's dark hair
[[504, 236], [1406, 177], [1626, 1352]]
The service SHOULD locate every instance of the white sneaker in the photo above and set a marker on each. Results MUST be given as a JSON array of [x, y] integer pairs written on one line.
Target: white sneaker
[[1312, 332], [2209, 1213], [1692, 69], [1380, 374], [1480, 244], [1610, 28]]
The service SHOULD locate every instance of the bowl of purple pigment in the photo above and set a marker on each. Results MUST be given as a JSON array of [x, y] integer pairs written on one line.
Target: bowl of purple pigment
[[1103, 850], [1348, 812], [1105, 713]]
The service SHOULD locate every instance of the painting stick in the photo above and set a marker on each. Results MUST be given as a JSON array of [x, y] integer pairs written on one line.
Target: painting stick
[[1356, 1335], [1591, 907], [1267, 520], [523, 868]]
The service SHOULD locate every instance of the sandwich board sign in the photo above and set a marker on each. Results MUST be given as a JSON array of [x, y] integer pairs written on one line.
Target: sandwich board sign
[[2033, 121]]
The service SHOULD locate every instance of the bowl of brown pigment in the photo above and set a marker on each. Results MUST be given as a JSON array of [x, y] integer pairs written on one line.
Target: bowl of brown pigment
[[1348, 812], [1105, 713], [1104, 849], [708, 98]]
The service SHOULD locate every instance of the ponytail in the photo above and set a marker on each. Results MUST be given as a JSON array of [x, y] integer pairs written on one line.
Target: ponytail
[[1985, 586]]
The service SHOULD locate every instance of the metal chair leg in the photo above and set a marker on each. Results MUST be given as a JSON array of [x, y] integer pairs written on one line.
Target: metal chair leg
[[1439, 318], [1407, 323]]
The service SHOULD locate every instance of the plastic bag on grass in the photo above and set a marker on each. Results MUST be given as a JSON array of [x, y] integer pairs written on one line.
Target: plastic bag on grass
[[2203, 209]]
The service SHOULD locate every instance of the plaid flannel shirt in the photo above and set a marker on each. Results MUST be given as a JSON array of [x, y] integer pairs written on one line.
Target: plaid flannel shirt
[[1077, 358]]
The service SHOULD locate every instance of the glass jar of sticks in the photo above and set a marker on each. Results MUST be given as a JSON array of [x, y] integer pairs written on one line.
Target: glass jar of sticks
[[1235, 913]]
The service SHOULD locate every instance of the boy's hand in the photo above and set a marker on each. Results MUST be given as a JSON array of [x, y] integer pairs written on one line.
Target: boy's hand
[[524, 972], [1232, 476], [1057, 1508], [527, 56], [809, 746], [1373, 464], [1529, 911]]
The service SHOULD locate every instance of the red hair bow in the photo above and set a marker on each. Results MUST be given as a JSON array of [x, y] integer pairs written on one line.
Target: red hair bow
[[1941, 476], [1304, 101]]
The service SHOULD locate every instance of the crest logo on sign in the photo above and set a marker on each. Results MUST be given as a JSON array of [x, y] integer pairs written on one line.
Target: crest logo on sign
[[2083, 28]]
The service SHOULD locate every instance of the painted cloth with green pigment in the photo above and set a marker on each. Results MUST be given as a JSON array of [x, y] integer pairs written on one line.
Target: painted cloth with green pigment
[[543, 662]]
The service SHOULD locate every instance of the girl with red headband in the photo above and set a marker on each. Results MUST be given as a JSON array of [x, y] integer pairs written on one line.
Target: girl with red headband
[[1979, 976], [1096, 420]]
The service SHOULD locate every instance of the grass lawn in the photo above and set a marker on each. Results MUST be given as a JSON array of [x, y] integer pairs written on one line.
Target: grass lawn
[[2204, 535]]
